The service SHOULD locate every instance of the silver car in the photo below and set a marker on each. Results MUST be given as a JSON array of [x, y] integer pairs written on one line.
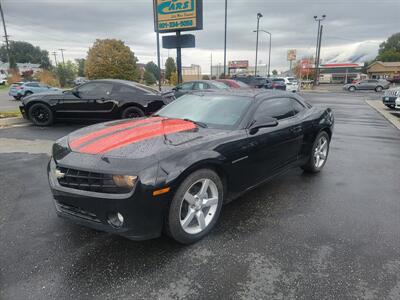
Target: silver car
[[378, 85]]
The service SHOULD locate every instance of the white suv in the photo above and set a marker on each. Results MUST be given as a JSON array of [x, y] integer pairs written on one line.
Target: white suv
[[292, 85]]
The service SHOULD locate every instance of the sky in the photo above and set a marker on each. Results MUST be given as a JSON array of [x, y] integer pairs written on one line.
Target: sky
[[353, 29]]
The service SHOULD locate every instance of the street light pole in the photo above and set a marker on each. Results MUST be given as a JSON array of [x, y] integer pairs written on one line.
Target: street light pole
[[259, 15], [270, 46], [318, 48], [226, 22], [62, 54]]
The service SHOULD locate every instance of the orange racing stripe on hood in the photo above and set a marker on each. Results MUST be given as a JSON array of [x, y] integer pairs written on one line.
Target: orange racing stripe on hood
[[108, 130], [135, 135]]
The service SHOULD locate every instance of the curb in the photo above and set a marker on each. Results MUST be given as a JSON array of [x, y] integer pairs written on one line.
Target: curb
[[385, 112], [12, 121]]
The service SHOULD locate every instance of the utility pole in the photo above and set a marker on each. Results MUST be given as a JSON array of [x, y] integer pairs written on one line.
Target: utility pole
[[318, 48], [211, 67], [319, 52], [62, 54], [269, 52], [226, 22], [6, 37], [259, 15], [55, 57]]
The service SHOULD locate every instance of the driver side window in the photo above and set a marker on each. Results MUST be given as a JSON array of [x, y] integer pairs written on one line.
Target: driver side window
[[279, 108], [95, 89], [185, 86]]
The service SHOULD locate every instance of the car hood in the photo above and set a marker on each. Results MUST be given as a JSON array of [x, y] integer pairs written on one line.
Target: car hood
[[153, 137]]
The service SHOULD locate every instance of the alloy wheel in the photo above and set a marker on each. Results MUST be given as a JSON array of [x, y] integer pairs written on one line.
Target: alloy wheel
[[199, 206], [41, 115], [321, 152]]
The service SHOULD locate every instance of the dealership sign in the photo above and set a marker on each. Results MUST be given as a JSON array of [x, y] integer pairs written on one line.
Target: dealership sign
[[238, 64], [178, 15], [291, 55]]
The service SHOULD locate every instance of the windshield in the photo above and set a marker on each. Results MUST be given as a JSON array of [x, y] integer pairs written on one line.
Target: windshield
[[222, 111]]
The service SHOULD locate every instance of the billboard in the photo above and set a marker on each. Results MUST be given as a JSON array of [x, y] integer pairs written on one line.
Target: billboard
[[178, 15], [291, 54], [238, 64]]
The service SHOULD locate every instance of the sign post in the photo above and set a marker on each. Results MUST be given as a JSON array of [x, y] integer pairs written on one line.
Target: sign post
[[291, 56], [177, 16]]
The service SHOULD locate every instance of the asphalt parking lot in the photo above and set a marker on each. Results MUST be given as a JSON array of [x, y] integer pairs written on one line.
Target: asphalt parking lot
[[335, 235]]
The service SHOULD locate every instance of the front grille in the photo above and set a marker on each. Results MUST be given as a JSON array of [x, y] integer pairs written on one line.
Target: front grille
[[78, 212], [89, 181]]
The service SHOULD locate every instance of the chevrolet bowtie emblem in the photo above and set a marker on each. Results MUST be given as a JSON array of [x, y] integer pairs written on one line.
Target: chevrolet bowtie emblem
[[59, 174]]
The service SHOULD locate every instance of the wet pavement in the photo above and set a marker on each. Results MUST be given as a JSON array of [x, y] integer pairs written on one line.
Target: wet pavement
[[335, 235]]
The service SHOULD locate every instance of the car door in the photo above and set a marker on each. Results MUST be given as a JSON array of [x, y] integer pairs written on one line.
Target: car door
[[182, 89], [363, 85], [32, 87], [274, 148], [90, 100]]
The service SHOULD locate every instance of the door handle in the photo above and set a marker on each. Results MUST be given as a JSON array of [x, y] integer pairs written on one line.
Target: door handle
[[296, 129]]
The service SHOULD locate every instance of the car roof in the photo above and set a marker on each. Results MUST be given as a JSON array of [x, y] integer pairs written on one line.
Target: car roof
[[255, 94]]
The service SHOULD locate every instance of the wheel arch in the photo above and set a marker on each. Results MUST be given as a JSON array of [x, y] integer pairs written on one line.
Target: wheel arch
[[33, 102], [132, 104]]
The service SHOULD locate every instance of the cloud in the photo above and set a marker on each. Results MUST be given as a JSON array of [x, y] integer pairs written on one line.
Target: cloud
[[352, 29]]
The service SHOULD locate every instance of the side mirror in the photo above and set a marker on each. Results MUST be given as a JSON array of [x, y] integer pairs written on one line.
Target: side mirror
[[263, 122]]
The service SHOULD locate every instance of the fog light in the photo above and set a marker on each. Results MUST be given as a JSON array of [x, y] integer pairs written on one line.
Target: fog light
[[116, 219]]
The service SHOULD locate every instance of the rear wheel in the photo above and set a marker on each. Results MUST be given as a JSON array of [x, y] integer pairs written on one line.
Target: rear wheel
[[378, 89], [196, 206], [352, 88], [132, 112], [319, 153], [40, 114]]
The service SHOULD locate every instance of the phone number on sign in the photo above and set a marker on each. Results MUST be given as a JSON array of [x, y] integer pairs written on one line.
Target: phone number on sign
[[165, 25]]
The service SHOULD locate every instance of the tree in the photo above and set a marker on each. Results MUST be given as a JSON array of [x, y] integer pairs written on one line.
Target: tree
[[111, 58], [390, 49], [66, 73], [274, 72], [174, 79], [81, 66], [149, 78], [170, 68], [152, 68], [205, 77], [24, 52]]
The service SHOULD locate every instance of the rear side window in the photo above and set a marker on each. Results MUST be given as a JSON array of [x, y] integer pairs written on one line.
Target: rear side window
[[33, 84], [279, 108]]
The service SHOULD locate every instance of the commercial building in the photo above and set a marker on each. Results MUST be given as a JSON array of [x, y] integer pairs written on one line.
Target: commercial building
[[192, 72], [379, 69], [218, 70], [341, 73]]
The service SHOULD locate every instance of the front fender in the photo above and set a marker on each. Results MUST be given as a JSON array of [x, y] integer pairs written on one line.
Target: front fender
[[172, 169]]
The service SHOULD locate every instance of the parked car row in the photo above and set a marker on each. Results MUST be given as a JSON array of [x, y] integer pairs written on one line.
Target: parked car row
[[391, 98]]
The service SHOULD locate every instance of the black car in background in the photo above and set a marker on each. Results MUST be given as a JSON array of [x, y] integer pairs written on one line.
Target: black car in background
[[104, 99], [255, 82], [172, 172], [198, 85]]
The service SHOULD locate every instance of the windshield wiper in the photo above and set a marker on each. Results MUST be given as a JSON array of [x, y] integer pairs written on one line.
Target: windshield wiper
[[201, 124]]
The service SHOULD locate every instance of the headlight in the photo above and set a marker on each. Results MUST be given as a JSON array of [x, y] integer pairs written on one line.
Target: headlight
[[124, 181]]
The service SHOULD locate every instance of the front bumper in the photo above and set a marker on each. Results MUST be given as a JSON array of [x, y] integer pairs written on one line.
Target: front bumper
[[23, 112], [389, 100], [143, 214]]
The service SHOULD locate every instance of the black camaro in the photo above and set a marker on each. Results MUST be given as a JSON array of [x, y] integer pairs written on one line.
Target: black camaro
[[175, 169], [95, 100]]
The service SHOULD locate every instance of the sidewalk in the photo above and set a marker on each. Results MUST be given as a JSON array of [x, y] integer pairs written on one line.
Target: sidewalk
[[391, 115]]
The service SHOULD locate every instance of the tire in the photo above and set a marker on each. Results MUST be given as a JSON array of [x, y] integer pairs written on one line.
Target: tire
[[314, 164], [390, 106], [189, 211], [132, 112], [28, 94], [352, 89], [40, 114], [378, 89]]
